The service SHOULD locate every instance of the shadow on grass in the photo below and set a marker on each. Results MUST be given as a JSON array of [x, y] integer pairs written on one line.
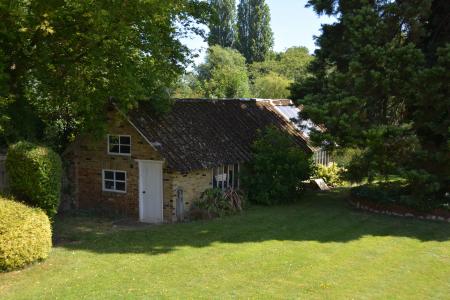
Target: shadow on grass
[[322, 217]]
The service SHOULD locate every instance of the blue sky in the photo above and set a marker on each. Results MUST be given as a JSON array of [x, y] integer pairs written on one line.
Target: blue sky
[[292, 23]]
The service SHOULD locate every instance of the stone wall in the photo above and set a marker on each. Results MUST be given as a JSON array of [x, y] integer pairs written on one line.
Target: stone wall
[[192, 184], [399, 211], [90, 157], [168, 205]]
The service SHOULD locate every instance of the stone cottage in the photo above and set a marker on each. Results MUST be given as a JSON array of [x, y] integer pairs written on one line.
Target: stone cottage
[[151, 168]]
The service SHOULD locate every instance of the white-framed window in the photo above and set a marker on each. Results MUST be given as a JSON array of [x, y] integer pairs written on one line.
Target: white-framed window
[[114, 181], [225, 177], [119, 144]]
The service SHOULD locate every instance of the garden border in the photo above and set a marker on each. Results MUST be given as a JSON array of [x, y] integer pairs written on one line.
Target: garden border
[[399, 211]]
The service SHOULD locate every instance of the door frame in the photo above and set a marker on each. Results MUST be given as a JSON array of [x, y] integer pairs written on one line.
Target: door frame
[[141, 184]]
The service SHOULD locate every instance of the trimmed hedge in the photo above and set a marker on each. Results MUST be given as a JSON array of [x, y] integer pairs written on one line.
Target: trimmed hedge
[[25, 235], [34, 174]]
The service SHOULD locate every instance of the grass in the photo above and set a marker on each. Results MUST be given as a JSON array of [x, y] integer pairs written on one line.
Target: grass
[[319, 248]]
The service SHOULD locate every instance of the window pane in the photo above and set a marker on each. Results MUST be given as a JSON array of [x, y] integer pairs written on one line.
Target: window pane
[[125, 149], [109, 185], [120, 176], [113, 139], [125, 140], [109, 175], [114, 148], [120, 186]]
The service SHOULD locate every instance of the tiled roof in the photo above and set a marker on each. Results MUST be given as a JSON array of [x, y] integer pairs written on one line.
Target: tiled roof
[[200, 133]]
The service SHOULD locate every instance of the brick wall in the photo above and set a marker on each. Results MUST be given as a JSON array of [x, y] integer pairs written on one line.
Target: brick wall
[[90, 157]]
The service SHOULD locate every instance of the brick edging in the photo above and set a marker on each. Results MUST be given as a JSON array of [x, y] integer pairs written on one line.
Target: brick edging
[[365, 206]]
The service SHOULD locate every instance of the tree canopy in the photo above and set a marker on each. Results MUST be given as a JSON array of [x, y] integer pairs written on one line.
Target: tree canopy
[[271, 86], [381, 83], [61, 61], [255, 36], [222, 26], [224, 74], [292, 63], [273, 77]]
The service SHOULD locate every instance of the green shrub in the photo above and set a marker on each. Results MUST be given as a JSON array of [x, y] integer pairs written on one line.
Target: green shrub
[[25, 235], [344, 156], [397, 192], [218, 203], [34, 174], [277, 169], [332, 174]]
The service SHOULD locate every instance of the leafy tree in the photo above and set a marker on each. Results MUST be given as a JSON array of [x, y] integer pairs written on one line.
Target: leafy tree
[[273, 77], [188, 86], [255, 37], [224, 74], [62, 60], [277, 169], [223, 23], [377, 70], [271, 86], [429, 170], [292, 64]]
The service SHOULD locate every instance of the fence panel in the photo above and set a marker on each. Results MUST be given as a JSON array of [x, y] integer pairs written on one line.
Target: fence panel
[[322, 157]]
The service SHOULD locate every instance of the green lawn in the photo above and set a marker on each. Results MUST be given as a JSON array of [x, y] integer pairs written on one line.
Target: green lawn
[[319, 248]]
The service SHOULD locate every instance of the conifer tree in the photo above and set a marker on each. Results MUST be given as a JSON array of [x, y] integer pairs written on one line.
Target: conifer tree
[[381, 84]]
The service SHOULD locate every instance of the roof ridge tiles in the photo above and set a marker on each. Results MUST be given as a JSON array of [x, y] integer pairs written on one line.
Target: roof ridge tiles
[[273, 101]]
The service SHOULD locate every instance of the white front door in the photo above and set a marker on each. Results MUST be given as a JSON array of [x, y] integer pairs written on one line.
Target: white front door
[[150, 191]]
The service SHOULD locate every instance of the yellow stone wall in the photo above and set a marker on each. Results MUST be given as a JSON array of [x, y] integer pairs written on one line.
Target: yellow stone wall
[[192, 183]]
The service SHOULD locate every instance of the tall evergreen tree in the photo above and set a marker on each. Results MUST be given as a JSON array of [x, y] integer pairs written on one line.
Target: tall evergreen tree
[[380, 84], [222, 25], [255, 36]]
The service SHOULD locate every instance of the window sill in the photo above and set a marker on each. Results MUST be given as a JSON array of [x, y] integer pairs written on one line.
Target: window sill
[[114, 191], [119, 154]]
